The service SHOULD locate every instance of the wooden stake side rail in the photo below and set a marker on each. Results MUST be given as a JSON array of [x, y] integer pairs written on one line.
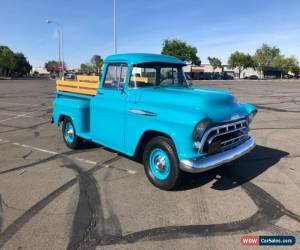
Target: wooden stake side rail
[[84, 78], [87, 88]]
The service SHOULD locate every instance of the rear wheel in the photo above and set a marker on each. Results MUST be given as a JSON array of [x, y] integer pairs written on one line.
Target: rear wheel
[[161, 163], [69, 134]]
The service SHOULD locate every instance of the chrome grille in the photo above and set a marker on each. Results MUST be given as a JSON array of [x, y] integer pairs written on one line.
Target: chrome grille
[[226, 135]]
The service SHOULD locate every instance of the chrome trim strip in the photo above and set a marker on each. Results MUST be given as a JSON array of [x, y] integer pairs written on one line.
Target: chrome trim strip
[[201, 164], [141, 112]]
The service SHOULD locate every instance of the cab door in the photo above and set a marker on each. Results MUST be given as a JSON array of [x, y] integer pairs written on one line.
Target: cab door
[[108, 112]]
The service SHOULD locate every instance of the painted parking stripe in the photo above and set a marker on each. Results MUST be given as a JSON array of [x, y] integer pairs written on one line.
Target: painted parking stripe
[[35, 148], [8, 113], [20, 104], [56, 153], [86, 161], [37, 118], [21, 115], [25, 115]]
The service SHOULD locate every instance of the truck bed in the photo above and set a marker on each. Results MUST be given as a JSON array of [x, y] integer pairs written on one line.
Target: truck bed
[[86, 85]]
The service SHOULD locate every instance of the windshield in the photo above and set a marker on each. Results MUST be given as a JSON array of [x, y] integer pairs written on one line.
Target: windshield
[[156, 74]]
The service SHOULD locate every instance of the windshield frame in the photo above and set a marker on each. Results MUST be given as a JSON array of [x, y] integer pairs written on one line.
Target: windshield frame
[[158, 66]]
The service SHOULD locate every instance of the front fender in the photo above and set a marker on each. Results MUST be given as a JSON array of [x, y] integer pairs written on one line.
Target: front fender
[[178, 125], [248, 107]]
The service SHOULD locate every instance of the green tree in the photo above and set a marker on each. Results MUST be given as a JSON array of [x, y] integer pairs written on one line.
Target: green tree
[[97, 63], [87, 68], [296, 70], [265, 55], [6, 60], [285, 64], [292, 65], [52, 67], [13, 63], [279, 63], [83, 67], [215, 62], [21, 66], [241, 61], [181, 50]]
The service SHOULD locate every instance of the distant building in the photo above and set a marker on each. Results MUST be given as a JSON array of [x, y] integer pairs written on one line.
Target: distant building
[[41, 71], [196, 72]]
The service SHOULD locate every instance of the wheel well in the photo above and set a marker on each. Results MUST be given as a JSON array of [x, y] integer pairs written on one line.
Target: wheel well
[[147, 136], [61, 118]]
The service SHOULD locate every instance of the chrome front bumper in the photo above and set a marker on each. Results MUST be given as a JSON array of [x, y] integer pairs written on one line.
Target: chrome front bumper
[[201, 164]]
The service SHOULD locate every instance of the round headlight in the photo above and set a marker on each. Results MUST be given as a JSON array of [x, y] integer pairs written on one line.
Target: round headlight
[[200, 128]]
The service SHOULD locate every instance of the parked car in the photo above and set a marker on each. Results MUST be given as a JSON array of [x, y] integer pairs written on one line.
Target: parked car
[[226, 76], [288, 76], [144, 107], [70, 76], [252, 77]]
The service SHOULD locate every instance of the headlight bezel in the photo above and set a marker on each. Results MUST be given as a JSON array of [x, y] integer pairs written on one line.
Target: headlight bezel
[[200, 128]]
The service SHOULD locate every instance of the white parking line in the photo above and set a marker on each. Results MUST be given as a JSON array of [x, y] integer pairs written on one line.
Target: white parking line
[[20, 104], [25, 115], [56, 153], [37, 118], [34, 148], [86, 161], [8, 113], [21, 115]]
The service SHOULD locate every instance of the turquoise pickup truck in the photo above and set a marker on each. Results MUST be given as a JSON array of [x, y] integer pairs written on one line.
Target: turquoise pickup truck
[[143, 106]]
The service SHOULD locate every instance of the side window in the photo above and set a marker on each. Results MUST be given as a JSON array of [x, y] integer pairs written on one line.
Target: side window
[[169, 76], [115, 76], [142, 77]]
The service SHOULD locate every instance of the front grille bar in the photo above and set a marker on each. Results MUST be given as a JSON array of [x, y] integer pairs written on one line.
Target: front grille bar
[[231, 142], [227, 132], [223, 130]]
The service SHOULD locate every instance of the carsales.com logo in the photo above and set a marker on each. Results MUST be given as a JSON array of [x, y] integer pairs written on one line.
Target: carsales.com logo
[[252, 240]]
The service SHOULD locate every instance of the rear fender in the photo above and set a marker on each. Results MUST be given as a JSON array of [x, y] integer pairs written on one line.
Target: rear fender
[[77, 109]]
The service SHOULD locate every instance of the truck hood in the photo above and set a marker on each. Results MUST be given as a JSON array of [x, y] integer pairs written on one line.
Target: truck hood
[[218, 105]]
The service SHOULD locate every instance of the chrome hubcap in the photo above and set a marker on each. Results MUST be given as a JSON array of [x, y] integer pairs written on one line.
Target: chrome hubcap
[[160, 163], [70, 132]]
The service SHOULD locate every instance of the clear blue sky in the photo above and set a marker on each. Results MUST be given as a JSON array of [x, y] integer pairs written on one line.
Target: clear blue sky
[[215, 27]]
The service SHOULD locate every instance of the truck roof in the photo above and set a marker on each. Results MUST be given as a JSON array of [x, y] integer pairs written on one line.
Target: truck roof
[[137, 58]]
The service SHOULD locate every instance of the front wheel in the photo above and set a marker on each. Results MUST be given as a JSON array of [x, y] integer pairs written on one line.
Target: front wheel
[[161, 163], [69, 134]]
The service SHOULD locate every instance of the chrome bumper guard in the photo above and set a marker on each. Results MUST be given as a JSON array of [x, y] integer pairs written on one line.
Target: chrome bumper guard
[[201, 164]]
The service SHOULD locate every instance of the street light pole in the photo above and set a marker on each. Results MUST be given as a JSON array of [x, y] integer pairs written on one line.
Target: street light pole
[[60, 45], [115, 36]]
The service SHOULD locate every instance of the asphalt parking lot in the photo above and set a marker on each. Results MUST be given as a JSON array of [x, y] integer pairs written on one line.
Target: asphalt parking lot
[[52, 197]]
